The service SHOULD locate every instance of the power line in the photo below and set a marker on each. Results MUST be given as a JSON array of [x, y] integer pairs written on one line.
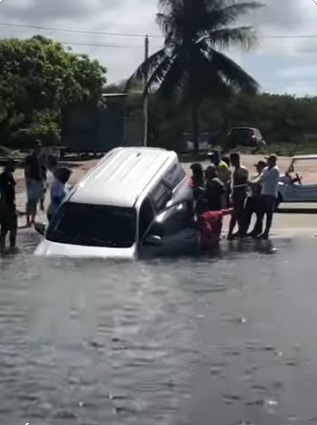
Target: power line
[[139, 46], [124, 46], [271, 48], [138, 35], [116, 34]]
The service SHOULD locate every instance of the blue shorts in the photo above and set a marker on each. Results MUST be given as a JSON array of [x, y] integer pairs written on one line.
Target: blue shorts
[[35, 190]]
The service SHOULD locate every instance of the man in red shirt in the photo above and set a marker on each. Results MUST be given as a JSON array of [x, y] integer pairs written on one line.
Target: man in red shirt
[[210, 226]]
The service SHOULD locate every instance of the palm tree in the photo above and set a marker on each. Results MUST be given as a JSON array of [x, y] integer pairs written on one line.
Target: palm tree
[[190, 63]]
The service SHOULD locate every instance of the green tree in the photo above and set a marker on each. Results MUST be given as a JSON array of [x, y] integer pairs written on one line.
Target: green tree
[[38, 77], [190, 63]]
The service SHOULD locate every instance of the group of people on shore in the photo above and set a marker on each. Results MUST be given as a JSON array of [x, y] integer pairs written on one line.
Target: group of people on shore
[[37, 167], [225, 187]]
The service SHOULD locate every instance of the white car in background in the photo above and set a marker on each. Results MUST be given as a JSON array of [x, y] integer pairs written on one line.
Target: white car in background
[[292, 186]]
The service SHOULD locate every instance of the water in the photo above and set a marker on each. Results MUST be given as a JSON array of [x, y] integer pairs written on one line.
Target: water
[[219, 341]]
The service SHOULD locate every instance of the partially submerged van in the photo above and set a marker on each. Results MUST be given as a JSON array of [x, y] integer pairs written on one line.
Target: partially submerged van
[[135, 201]]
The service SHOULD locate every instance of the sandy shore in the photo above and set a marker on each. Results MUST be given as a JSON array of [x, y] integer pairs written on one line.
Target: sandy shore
[[285, 224]]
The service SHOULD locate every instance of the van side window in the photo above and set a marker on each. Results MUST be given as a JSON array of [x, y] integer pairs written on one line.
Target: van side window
[[175, 175], [161, 194], [146, 216]]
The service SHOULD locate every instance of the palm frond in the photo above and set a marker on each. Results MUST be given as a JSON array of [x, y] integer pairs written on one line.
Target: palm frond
[[146, 68], [220, 16], [164, 22], [172, 81], [233, 73], [158, 74], [207, 79], [224, 38]]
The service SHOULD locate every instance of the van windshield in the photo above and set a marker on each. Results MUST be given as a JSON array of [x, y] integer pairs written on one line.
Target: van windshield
[[93, 225]]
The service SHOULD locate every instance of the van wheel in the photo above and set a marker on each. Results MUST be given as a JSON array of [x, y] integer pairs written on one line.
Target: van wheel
[[278, 202]]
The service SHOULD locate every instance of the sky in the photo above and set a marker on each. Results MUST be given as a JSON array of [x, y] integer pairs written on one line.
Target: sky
[[285, 60]]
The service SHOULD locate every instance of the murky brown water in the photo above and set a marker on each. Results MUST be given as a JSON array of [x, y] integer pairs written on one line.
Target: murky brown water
[[182, 341]]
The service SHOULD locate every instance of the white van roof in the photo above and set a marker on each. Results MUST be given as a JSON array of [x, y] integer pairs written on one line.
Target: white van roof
[[122, 175], [304, 157]]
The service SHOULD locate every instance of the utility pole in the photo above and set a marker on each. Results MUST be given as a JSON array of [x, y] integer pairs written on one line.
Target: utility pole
[[145, 94]]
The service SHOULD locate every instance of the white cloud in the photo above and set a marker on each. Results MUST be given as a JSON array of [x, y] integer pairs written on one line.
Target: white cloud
[[274, 63]]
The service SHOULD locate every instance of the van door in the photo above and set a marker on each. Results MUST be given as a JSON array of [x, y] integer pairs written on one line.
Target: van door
[[146, 217], [172, 233]]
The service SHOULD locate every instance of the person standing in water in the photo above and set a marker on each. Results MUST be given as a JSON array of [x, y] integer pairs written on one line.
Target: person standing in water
[[224, 172], [197, 183], [59, 190], [34, 179], [8, 213], [269, 180], [215, 191], [253, 204], [209, 225], [239, 189], [43, 163], [210, 218]]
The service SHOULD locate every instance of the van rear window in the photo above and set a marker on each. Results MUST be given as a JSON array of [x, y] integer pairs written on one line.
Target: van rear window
[[93, 225]]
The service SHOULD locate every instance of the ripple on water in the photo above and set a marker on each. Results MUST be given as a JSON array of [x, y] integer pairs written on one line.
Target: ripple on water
[[184, 341]]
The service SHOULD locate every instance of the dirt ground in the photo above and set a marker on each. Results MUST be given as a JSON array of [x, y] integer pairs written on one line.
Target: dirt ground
[[287, 224]]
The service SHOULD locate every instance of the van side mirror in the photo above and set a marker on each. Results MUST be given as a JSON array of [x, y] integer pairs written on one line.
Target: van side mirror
[[152, 240], [40, 228]]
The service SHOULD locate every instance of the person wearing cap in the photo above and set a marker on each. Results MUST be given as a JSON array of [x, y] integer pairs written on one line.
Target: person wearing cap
[[8, 213], [35, 182], [269, 180], [253, 203], [223, 169], [59, 190]]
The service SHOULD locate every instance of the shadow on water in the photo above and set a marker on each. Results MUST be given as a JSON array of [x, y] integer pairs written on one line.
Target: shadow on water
[[227, 339]]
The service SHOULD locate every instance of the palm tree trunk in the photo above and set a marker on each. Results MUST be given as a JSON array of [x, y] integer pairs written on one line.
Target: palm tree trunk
[[195, 126]]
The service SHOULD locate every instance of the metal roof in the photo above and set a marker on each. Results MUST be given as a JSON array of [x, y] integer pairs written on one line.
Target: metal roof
[[122, 175]]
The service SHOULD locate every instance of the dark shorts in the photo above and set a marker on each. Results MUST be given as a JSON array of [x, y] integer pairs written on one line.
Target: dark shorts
[[268, 203], [253, 204], [8, 220], [239, 203]]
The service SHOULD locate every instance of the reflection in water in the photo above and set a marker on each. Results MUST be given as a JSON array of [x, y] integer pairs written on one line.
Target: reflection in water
[[223, 340]]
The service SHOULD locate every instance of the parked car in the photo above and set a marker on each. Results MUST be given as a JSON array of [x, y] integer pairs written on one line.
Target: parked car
[[135, 201], [244, 136], [292, 188]]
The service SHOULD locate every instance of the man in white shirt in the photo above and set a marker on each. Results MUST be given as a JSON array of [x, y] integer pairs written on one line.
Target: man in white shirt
[[269, 180]]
